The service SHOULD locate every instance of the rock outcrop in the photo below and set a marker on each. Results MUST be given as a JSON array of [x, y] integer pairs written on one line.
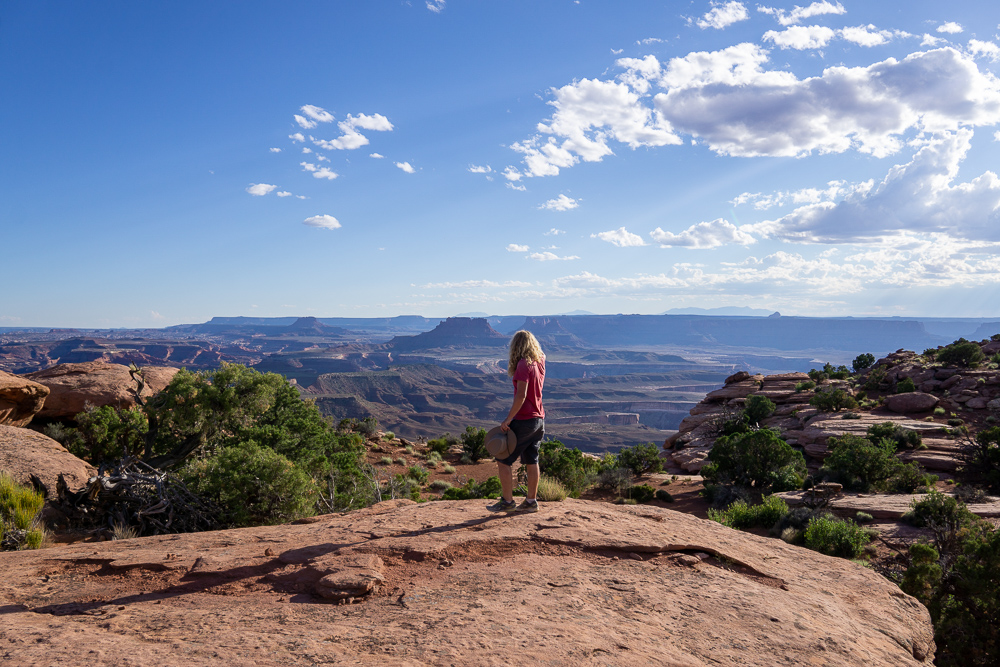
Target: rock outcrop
[[449, 583], [974, 393], [20, 399], [73, 386], [24, 452]]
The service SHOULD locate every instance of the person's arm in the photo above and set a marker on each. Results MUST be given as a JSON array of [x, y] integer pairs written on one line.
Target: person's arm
[[520, 393]]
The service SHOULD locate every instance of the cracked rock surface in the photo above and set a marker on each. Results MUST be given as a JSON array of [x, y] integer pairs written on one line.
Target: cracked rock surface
[[449, 583]]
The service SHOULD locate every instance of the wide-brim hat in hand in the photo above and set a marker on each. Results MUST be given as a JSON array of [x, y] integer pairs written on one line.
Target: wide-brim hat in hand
[[500, 445]]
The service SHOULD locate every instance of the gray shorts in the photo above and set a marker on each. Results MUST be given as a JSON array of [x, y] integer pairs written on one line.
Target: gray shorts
[[529, 434]]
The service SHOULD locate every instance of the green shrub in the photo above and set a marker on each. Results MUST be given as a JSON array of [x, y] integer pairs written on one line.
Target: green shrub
[[472, 490], [759, 461], [905, 386], [253, 485], [833, 400], [805, 386], [443, 444], [859, 464], [903, 438], [757, 408], [367, 427], [641, 493], [615, 479], [440, 485], [448, 469], [981, 456], [551, 490], [664, 496], [836, 373], [433, 458], [876, 377], [388, 436], [995, 359], [640, 458], [961, 353], [834, 537], [939, 411], [817, 376], [863, 517], [20, 506], [474, 443], [568, 465], [742, 515], [418, 474], [956, 580], [106, 433], [385, 460], [863, 361]]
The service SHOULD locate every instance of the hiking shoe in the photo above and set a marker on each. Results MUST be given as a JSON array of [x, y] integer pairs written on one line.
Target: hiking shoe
[[528, 506], [502, 506]]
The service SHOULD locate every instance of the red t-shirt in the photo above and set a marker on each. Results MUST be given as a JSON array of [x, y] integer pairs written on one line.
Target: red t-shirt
[[534, 375]]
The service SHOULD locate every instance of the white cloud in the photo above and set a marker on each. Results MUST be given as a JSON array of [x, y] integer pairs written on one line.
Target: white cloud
[[800, 37], [156, 316], [988, 50], [519, 188], [476, 284], [512, 174], [620, 237], [798, 13], [377, 156], [283, 193], [931, 40], [480, 169], [350, 138], [950, 28], [703, 235], [260, 189], [307, 166], [917, 197], [555, 232], [405, 166], [722, 15], [560, 203], [762, 202], [317, 114], [436, 6], [297, 137], [306, 150], [275, 150], [550, 257], [588, 114], [514, 247], [325, 172], [645, 42], [304, 122], [996, 136], [867, 35], [322, 222]]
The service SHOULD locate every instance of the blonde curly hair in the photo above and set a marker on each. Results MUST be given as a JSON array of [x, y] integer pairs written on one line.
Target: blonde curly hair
[[523, 346]]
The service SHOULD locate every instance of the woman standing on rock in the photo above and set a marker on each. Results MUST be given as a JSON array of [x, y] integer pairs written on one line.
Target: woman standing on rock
[[526, 418]]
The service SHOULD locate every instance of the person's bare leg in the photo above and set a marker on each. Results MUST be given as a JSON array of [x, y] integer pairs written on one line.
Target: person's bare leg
[[507, 481], [532, 469]]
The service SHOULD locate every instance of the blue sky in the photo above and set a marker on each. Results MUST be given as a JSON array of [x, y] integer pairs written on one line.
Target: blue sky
[[162, 163]]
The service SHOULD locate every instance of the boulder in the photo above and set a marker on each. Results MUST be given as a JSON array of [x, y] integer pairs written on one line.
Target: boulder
[[450, 583], [20, 399], [738, 376], [24, 452], [98, 383], [914, 401], [740, 389]]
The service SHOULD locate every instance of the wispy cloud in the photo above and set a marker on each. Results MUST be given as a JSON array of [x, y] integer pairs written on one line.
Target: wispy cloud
[[620, 237], [436, 6], [377, 156], [550, 257], [475, 169], [560, 203], [406, 166], [798, 13], [284, 193], [514, 247], [322, 222], [351, 138], [260, 189], [723, 15], [704, 235], [555, 232], [950, 28], [275, 150]]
